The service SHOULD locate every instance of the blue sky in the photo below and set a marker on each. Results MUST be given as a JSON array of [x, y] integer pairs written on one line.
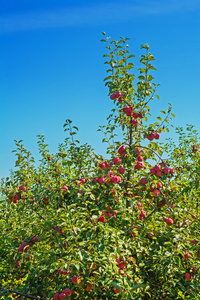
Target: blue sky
[[52, 65]]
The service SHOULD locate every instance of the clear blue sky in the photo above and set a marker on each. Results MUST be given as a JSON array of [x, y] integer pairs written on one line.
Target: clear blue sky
[[52, 66]]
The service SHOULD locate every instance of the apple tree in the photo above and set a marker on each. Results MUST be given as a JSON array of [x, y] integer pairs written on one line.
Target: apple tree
[[124, 226]]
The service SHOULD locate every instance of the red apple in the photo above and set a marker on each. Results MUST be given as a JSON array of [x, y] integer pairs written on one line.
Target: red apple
[[135, 122], [101, 219], [157, 167], [169, 221], [101, 180], [119, 95], [159, 173], [187, 276], [117, 291], [102, 165], [121, 170], [116, 160], [113, 96], [68, 292], [142, 213], [156, 193], [156, 136], [18, 263], [166, 170], [24, 244], [121, 149], [62, 296], [128, 110], [152, 171], [140, 115], [89, 287], [143, 181], [35, 239], [65, 188], [82, 180], [75, 279], [159, 185], [186, 255], [139, 158]]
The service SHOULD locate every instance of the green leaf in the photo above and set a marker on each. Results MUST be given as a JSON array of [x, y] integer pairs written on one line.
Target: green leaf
[[130, 56], [115, 284], [173, 115], [137, 286], [159, 118]]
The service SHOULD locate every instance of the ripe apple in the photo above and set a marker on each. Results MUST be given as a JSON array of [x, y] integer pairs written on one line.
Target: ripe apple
[[115, 179], [156, 136], [156, 193], [82, 180], [62, 296], [151, 234], [113, 96], [24, 244], [89, 287], [121, 149], [159, 185], [135, 115], [142, 213], [139, 166], [124, 155], [117, 291], [18, 263], [76, 279], [135, 122], [121, 170], [150, 137], [137, 151], [157, 167], [101, 219], [119, 95], [65, 188], [35, 239], [186, 255], [166, 170], [101, 180], [22, 188], [169, 221], [158, 173], [116, 160], [187, 276], [143, 181], [128, 110], [68, 292], [102, 165], [139, 158], [140, 115]]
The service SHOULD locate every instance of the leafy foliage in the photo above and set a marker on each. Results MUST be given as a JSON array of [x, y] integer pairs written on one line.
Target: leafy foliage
[[80, 226]]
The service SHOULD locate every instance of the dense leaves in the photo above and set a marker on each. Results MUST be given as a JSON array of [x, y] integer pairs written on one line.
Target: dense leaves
[[82, 226]]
